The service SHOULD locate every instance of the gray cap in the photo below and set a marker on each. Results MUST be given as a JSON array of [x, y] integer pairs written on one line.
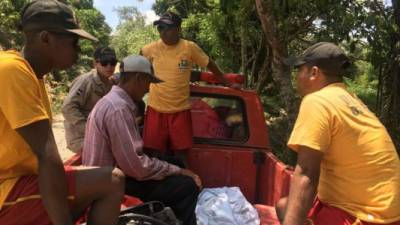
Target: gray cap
[[327, 56], [138, 64]]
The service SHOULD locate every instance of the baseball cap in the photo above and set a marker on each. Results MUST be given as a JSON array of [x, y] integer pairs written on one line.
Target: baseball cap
[[51, 15], [327, 56], [138, 64], [169, 18], [104, 52]]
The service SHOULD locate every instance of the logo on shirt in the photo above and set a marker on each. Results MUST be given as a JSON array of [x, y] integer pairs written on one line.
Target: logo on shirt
[[184, 64], [353, 105]]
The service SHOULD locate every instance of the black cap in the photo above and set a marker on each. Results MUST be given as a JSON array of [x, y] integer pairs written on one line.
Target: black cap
[[169, 18], [327, 56], [104, 52], [51, 15]]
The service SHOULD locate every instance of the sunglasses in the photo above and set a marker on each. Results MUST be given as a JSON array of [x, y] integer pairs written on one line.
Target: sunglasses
[[105, 62]]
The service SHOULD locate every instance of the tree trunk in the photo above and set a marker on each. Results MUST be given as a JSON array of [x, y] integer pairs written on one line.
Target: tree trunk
[[389, 84], [280, 72], [243, 52]]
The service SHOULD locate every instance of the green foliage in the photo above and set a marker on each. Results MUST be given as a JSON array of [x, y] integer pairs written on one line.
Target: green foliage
[[9, 19], [365, 84], [90, 19], [93, 22], [230, 31], [132, 32]]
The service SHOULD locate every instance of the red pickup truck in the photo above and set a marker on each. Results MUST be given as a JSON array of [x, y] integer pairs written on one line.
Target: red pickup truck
[[231, 147]]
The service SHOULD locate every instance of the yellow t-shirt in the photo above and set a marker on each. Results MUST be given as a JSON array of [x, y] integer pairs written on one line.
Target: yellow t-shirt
[[173, 64], [23, 100], [360, 169]]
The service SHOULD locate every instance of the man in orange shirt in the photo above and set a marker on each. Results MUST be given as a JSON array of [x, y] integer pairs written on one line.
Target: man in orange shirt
[[347, 163], [34, 187], [168, 124]]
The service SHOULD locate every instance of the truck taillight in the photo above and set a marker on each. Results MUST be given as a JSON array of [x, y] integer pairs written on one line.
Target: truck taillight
[[232, 78]]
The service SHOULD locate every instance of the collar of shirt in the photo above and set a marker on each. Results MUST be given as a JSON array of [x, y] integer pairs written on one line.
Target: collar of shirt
[[162, 45], [98, 81], [124, 96]]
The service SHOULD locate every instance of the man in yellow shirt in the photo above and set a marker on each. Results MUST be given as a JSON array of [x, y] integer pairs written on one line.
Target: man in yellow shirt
[[168, 124], [347, 163], [34, 187]]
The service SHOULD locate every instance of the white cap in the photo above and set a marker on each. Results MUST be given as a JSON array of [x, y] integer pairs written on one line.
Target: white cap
[[138, 64]]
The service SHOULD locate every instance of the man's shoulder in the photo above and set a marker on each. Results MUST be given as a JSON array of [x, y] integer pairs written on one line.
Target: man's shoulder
[[14, 67], [188, 42], [316, 99], [83, 78], [12, 60], [153, 44], [10, 55], [112, 103]]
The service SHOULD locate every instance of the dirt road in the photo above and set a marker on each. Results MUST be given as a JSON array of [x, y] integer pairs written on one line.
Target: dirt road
[[59, 135]]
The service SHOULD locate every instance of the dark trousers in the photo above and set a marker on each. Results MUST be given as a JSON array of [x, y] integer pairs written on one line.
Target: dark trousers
[[178, 192]]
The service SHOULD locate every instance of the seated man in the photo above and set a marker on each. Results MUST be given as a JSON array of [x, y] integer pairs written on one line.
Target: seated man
[[347, 163], [113, 139], [34, 188]]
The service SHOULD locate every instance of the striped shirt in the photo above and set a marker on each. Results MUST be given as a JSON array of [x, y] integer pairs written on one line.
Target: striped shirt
[[112, 138]]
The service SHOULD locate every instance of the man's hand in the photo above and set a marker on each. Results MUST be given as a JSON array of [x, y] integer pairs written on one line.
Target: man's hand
[[195, 177]]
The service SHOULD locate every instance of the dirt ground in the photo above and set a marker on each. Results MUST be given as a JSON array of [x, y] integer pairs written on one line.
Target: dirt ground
[[59, 135]]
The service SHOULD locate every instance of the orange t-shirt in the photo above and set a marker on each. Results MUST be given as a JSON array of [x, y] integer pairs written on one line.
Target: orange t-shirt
[[360, 169], [172, 64], [23, 100]]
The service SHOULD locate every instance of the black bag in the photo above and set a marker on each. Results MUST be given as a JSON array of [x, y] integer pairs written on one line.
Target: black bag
[[149, 213]]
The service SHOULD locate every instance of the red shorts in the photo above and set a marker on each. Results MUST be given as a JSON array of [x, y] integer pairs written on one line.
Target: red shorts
[[323, 214], [23, 205], [167, 131]]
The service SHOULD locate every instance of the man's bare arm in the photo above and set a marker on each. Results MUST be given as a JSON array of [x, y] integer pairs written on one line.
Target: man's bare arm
[[304, 186], [52, 179], [213, 67]]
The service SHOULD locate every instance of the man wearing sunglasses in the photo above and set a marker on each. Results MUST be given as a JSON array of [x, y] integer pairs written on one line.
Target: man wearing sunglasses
[[85, 91], [168, 124], [35, 188]]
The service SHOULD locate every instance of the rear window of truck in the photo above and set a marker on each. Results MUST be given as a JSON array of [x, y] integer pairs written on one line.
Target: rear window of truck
[[218, 117]]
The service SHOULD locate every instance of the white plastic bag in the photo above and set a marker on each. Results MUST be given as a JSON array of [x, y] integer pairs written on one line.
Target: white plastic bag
[[225, 206]]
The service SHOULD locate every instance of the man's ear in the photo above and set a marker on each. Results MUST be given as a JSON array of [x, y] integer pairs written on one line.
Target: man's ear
[[315, 73], [44, 37]]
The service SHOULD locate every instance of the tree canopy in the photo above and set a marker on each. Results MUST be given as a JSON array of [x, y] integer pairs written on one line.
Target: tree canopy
[[90, 19], [132, 32], [253, 37]]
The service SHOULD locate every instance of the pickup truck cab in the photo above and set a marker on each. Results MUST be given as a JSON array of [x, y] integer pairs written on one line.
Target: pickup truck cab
[[231, 146]]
